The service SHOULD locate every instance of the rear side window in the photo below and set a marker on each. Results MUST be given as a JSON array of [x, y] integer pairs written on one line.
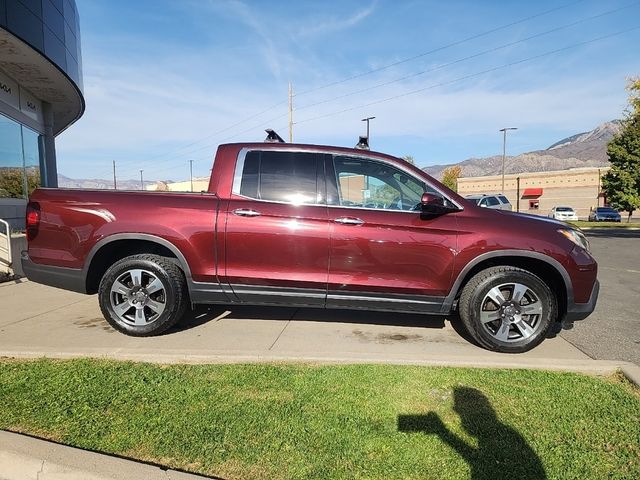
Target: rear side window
[[491, 201], [503, 199], [288, 177]]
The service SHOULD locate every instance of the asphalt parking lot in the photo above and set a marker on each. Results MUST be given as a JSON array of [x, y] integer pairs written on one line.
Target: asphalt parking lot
[[612, 332]]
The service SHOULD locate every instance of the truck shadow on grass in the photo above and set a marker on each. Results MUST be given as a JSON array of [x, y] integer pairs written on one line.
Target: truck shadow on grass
[[502, 453], [205, 314]]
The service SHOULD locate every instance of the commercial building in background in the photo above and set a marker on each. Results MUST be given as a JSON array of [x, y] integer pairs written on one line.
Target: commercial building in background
[[539, 192], [40, 94]]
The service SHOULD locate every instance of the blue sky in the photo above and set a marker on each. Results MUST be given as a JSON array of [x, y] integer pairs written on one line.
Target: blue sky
[[167, 81]]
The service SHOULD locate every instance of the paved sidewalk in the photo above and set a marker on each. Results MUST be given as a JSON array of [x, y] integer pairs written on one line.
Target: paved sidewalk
[[27, 458], [38, 321]]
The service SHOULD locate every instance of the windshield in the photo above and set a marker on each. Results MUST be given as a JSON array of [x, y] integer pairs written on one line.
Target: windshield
[[564, 209], [605, 210]]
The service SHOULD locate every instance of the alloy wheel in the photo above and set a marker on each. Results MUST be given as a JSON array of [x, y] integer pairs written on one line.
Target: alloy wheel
[[511, 312], [138, 297]]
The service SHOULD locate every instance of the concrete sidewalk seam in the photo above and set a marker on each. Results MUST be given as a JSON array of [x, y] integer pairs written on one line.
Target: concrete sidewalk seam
[[285, 327]]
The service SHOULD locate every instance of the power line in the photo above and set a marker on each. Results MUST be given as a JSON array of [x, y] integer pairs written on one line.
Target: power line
[[443, 47], [506, 65], [469, 57], [369, 72]]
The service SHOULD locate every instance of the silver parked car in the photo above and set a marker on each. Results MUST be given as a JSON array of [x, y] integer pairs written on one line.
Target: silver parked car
[[563, 213], [496, 201]]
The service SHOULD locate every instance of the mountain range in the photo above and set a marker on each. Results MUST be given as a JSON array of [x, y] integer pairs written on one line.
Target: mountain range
[[588, 149]]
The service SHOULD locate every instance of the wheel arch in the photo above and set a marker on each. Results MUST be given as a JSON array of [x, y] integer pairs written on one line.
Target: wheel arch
[[547, 268], [115, 247]]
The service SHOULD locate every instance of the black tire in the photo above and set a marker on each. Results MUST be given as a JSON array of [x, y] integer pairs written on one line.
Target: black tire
[[533, 295], [169, 301]]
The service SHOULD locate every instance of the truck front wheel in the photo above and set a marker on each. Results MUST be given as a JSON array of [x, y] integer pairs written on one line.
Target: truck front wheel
[[507, 309], [143, 295]]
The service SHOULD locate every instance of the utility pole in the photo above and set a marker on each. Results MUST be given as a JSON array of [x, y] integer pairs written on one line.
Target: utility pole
[[367, 120], [504, 150], [290, 113], [141, 181], [191, 173], [115, 183]]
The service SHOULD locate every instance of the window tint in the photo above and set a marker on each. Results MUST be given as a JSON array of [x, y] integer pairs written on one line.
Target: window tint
[[249, 185], [564, 209], [368, 183], [492, 201], [280, 177], [503, 199]]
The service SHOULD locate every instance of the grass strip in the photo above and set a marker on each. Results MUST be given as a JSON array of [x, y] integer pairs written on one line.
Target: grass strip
[[596, 225], [318, 422]]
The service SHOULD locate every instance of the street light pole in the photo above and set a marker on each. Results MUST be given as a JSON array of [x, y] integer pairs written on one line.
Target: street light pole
[[191, 173], [141, 181], [504, 150], [367, 120]]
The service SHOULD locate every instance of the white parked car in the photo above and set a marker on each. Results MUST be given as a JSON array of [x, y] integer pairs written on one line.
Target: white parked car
[[496, 201], [563, 213]]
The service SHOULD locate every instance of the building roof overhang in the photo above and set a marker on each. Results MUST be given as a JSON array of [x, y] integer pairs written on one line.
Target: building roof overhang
[[44, 79]]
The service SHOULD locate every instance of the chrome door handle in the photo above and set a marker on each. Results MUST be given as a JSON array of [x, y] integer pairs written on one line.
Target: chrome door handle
[[349, 221], [246, 212]]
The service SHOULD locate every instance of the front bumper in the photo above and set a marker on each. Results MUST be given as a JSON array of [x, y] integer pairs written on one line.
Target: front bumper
[[60, 277], [580, 311]]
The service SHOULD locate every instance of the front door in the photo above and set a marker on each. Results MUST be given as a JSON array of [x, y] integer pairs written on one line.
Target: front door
[[277, 234], [384, 254]]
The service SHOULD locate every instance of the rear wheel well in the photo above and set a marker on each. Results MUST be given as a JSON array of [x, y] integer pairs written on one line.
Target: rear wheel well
[[117, 250], [545, 271]]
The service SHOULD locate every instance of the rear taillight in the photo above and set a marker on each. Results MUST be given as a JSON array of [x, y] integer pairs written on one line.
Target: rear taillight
[[33, 220]]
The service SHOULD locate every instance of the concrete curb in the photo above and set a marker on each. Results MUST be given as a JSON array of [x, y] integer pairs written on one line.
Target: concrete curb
[[27, 458], [590, 367]]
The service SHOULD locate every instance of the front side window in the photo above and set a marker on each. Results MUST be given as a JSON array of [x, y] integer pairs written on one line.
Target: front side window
[[365, 183], [275, 176]]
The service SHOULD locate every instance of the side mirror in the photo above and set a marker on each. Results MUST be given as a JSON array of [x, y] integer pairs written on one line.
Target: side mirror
[[433, 204]]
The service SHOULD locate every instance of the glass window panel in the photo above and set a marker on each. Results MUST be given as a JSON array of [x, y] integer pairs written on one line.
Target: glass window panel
[[25, 24], [19, 159], [249, 182], [367, 183], [288, 177], [53, 18]]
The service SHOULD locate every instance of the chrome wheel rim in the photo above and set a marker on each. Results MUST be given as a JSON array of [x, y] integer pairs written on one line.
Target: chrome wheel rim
[[511, 312], [138, 297]]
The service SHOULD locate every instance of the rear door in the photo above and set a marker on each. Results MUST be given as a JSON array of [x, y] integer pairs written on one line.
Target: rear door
[[277, 234], [384, 253]]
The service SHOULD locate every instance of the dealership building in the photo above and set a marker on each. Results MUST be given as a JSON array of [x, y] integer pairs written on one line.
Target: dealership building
[[539, 192], [40, 94]]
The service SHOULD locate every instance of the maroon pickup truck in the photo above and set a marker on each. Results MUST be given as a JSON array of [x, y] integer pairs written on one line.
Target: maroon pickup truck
[[312, 226]]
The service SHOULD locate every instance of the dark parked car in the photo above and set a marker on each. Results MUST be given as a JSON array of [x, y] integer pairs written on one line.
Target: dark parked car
[[604, 214], [312, 226]]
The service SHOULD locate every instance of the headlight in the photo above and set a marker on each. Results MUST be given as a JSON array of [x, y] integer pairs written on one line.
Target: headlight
[[576, 236]]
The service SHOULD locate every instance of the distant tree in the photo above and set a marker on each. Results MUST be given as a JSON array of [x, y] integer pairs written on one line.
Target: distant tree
[[450, 177], [621, 184], [410, 159], [12, 181]]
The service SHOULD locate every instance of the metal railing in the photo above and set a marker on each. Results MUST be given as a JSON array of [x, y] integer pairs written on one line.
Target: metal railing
[[5, 244]]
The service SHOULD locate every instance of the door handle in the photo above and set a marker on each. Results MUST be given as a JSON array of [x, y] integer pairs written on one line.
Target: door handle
[[349, 221], [246, 212]]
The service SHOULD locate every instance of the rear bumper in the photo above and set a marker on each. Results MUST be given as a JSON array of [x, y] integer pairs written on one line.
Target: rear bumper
[[580, 311], [60, 277]]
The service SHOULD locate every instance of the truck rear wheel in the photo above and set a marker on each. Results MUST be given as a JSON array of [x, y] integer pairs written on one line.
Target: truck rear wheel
[[143, 295], [507, 309]]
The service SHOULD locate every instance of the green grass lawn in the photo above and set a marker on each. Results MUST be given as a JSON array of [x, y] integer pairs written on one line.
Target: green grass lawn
[[623, 224], [325, 422]]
